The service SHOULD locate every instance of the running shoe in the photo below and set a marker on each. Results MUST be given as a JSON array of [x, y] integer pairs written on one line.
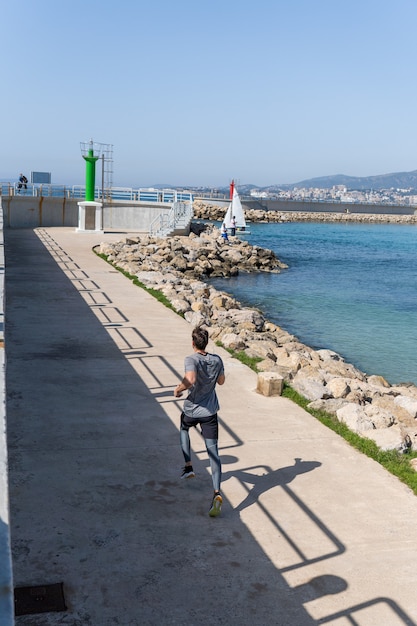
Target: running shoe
[[188, 472], [216, 505]]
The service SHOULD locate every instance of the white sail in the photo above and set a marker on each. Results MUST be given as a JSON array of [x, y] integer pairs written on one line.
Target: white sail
[[228, 216], [237, 210]]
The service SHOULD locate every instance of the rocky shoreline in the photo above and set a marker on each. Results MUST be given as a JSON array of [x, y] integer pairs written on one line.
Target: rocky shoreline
[[180, 266], [214, 212]]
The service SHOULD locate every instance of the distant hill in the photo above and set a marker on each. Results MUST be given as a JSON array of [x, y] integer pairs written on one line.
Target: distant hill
[[399, 180]]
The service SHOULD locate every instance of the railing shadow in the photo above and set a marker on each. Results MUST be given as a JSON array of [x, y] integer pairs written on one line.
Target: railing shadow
[[393, 615]]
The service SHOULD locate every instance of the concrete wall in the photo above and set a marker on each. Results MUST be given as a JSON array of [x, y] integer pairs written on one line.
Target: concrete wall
[[6, 577], [32, 212], [132, 217], [216, 201], [314, 207], [327, 207]]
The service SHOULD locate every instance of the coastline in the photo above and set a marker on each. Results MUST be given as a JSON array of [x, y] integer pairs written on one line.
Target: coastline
[[213, 212], [177, 266]]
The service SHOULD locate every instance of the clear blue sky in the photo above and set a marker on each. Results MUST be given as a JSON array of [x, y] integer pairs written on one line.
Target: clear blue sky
[[197, 93]]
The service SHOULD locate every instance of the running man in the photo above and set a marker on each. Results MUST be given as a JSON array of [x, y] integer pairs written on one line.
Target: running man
[[202, 372]]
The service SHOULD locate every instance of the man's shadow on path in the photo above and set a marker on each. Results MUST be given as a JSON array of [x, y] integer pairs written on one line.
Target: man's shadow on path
[[272, 478]]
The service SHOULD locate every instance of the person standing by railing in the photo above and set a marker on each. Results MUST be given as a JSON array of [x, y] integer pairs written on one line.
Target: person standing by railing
[[23, 182]]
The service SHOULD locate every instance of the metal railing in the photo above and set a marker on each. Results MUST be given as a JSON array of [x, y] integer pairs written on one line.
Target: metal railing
[[165, 196], [178, 218], [35, 190]]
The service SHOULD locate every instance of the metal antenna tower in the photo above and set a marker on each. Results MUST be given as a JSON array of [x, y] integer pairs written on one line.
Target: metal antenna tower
[[107, 156]]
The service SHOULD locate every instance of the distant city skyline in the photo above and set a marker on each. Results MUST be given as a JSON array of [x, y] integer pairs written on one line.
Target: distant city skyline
[[406, 186], [193, 94]]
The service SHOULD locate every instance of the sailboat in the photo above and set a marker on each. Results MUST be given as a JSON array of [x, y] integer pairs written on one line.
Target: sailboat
[[235, 210]]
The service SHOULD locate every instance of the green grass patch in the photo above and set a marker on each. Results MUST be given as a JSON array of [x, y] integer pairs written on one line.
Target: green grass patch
[[153, 292], [242, 357], [394, 462]]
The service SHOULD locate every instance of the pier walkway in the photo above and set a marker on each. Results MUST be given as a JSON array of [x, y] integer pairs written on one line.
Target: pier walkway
[[311, 532]]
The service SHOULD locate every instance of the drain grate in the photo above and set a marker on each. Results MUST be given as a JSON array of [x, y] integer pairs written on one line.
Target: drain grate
[[40, 599]]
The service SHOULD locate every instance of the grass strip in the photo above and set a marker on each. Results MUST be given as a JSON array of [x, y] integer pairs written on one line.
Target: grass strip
[[396, 463], [393, 461], [153, 292]]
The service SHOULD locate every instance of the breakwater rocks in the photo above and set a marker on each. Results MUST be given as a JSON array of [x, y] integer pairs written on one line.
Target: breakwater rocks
[[180, 266], [194, 256], [216, 213]]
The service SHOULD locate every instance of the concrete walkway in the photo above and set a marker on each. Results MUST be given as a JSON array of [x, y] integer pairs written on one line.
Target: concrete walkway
[[311, 531]]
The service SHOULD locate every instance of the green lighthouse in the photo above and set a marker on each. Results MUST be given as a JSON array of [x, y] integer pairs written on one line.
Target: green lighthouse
[[90, 172], [90, 211]]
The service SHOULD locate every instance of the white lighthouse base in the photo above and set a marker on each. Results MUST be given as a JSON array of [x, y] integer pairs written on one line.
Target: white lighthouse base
[[90, 217]]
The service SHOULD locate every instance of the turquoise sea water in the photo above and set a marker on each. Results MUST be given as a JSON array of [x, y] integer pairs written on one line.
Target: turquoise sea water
[[351, 288]]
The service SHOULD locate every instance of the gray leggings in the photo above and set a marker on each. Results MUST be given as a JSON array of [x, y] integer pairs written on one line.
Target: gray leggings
[[211, 446]]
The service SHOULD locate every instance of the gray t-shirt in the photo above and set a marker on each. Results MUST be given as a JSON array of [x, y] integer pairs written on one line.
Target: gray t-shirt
[[202, 398]]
